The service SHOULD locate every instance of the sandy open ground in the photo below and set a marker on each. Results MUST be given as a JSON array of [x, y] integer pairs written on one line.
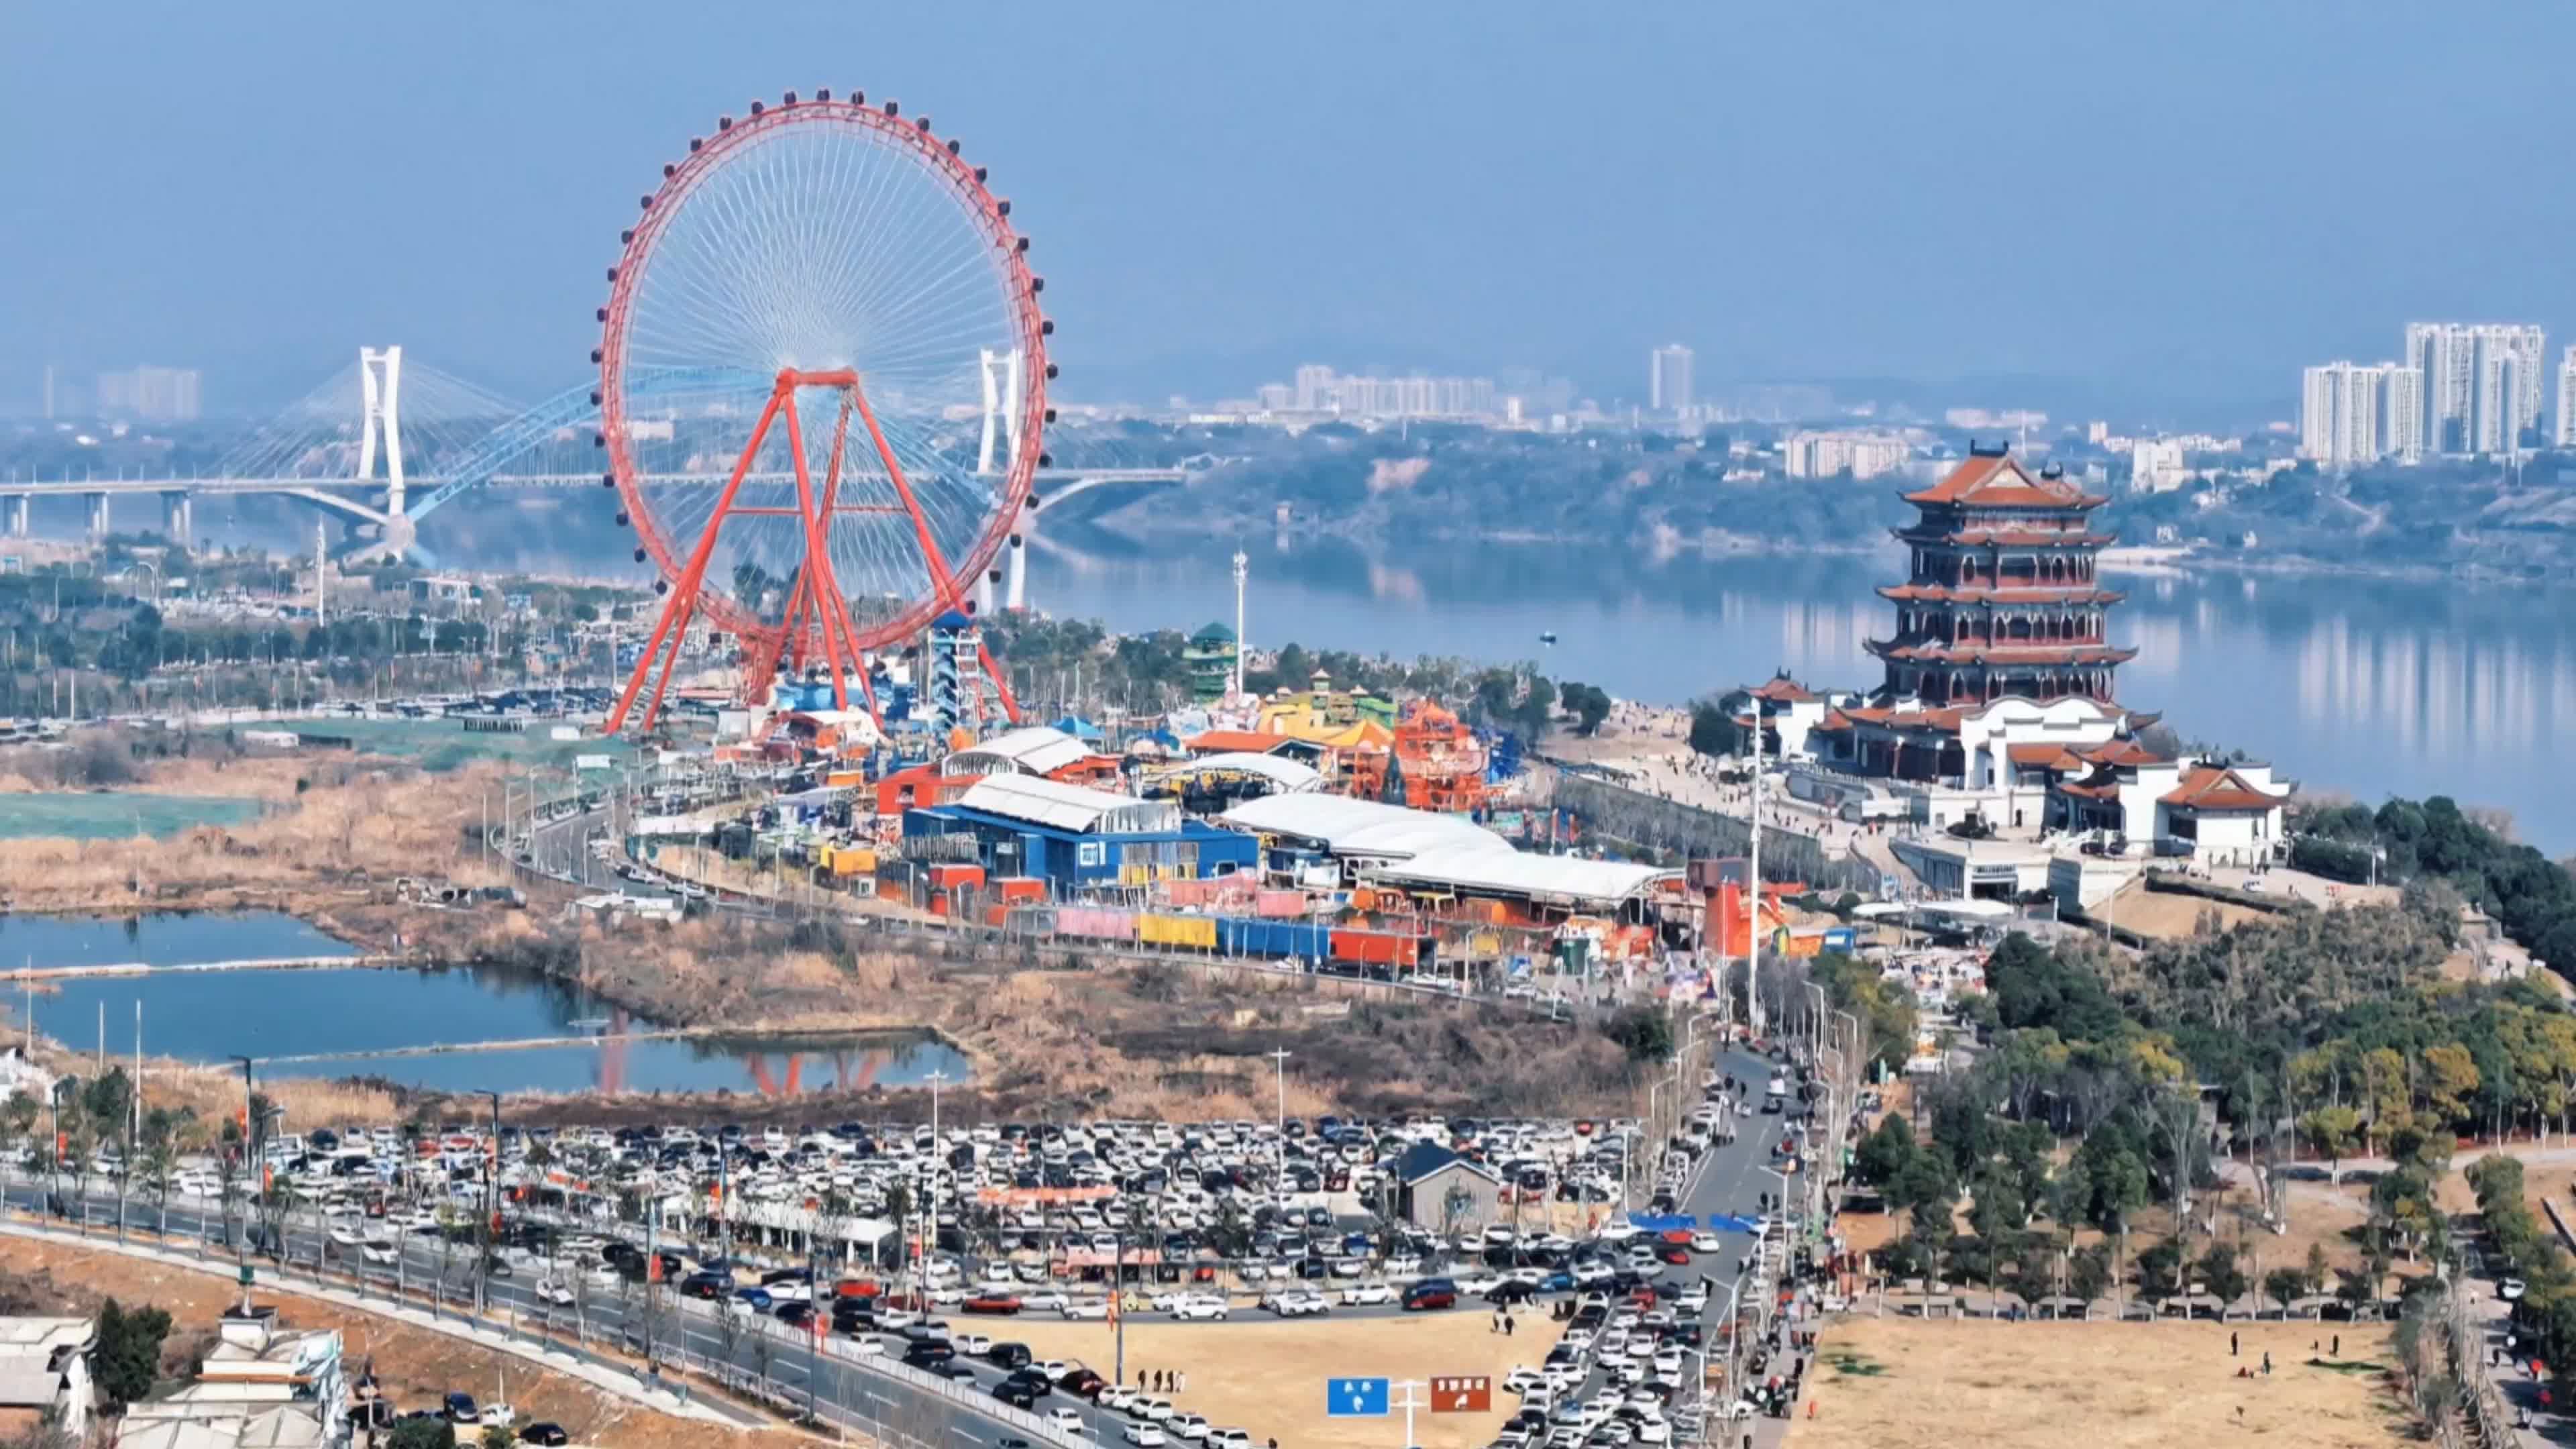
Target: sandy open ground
[[1267, 1377], [1901, 1383]]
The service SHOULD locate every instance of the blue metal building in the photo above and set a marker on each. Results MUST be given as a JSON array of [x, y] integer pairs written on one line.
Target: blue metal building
[[1079, 839]]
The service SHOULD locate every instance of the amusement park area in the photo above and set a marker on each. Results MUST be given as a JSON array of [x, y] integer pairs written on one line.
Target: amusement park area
[[1161, 979]]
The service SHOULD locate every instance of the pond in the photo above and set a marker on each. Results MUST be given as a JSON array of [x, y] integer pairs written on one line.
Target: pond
[[342, 1021], [165, 938], [115, 815]]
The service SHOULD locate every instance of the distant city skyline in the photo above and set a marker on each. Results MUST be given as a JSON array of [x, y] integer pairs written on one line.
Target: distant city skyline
[[1190, 245]]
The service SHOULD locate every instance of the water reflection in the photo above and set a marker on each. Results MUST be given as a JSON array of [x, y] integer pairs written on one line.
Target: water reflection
[[2368, 686]]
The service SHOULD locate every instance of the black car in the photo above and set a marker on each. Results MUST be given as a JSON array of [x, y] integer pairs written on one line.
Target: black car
[[1034, 1381], [795, 1314], [1015, 1393], [705, 1284], [926, 1355], [544, 1431], [459, 1407], [1008, 1355]]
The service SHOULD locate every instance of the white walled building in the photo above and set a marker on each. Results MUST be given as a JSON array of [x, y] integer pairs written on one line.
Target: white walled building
[[2339, 407], [2564, 435], [2483, 383], [1668, 379], [2156, 465], [1826, 455], [2404, 436]]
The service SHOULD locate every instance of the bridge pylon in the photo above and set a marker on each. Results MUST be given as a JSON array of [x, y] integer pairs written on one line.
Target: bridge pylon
[[1000, 372], [380, 384]]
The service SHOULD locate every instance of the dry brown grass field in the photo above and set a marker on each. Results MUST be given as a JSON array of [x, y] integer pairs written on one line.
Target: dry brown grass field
[[1905, 1384], [1267, 1378]]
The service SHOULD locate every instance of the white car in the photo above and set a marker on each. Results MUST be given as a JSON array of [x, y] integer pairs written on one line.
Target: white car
[[1522, 1380], [1186, 1426], [1048, 1298], [976, 1344], [553, 1290], [1200, 1308], [379, 1250], [2511, 1290], [1067, 1421], [1097, 1308], [1706, 1243], [1368, 1293], [868, 1345], [1151, 1410], [1654, 1431], [1295, 1303], [1145, 1435], [497, 1416], [1228, 1439]]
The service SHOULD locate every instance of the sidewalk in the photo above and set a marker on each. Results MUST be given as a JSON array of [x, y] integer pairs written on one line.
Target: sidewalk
[[616, 1382]]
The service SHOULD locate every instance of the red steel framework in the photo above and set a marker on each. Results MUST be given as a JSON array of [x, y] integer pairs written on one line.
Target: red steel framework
[[816, 624]]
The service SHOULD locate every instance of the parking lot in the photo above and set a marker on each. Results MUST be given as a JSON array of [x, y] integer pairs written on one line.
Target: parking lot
[[901, 1241]]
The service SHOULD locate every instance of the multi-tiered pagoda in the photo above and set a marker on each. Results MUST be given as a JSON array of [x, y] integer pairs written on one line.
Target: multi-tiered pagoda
[[2001, 601]]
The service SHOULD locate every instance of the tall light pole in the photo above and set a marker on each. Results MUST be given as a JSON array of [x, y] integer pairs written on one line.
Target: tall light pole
[[1241, 572], [930, 1219], [484, 1231], [1753, 890], [1279, 1070], [250, 1164]]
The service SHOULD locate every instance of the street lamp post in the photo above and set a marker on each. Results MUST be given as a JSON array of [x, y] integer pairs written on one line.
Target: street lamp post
[[1279, 1072], [930, 1219], [485, 1230], [250, 1164]]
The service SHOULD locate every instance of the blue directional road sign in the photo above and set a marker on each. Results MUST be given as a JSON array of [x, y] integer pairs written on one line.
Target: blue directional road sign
[[1355, 1398]]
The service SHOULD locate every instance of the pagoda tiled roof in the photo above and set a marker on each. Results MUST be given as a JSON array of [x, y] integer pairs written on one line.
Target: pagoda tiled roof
[[2035, 653], [1911, 593], [1997, 480], [1991, 537], [1781, 689]]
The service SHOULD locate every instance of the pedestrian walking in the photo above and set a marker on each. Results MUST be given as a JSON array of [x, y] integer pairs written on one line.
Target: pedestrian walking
[[2267, 1363], [2338, 1345], [2231, 1345]]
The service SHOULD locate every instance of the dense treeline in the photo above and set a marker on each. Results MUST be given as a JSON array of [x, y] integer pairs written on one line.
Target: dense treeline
[[2331, 1031], [2532, 897]]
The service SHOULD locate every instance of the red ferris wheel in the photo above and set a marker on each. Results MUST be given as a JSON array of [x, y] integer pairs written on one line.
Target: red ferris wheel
[[822, 390]]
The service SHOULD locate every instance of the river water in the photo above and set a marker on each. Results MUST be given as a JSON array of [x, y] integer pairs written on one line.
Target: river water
[[2367, 686], [340, 1013]]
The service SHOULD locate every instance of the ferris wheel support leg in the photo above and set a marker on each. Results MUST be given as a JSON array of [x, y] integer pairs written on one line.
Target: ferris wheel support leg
[[817, 563], [671, 666], [1001, 686], [684, 594]]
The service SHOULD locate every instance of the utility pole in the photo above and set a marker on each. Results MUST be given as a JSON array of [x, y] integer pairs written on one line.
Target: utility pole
[[1753, 892], [1240, 571], [1279, 1069]]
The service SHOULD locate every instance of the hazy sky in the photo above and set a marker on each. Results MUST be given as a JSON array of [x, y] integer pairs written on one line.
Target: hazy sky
[[2183, 200]]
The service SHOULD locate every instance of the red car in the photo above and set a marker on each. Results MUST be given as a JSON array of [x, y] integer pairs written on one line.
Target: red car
[[1678, 1237], [992, 1303]]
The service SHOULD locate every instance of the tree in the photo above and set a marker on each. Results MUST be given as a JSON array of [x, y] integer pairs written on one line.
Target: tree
[[2285, 1286], [128, 1356], [1455, 1204], [499, 1436], [1883, 1154], [1645, 1032], [421, 1434], [1714, 732], [2088, 1274], [2160, 1271], [2331, 1130], [2220, 1275]]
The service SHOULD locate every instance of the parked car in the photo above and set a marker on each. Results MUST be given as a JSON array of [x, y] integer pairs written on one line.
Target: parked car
[[545, 1432]]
